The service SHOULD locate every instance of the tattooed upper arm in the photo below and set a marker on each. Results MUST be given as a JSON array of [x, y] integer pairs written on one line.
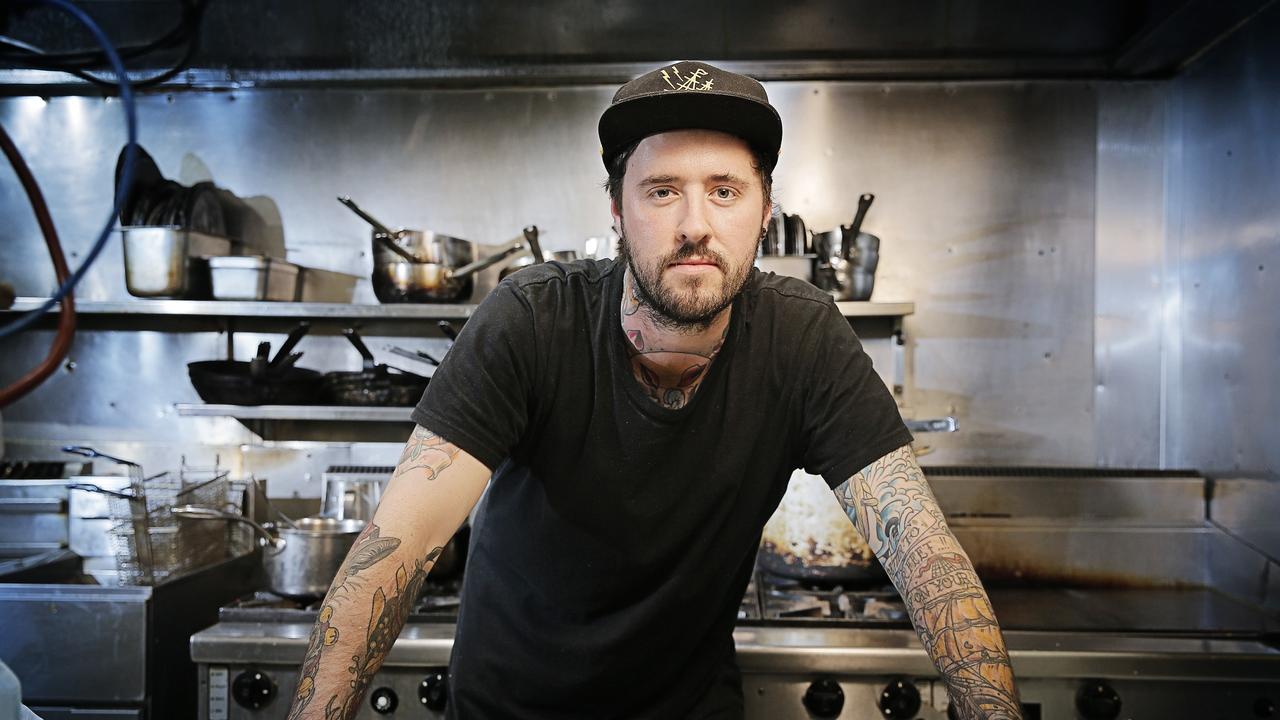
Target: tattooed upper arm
[[426, 451], [887, 497]]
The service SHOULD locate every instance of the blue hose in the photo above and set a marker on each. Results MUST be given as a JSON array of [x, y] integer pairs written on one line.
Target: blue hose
[[126, 177]]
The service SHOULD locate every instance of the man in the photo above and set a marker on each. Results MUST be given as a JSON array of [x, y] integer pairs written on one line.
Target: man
[[640, 420]]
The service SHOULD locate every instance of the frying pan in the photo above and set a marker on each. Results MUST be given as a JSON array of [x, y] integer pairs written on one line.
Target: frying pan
[[856, 573], [375, 384], [257, 382], [809, 538]]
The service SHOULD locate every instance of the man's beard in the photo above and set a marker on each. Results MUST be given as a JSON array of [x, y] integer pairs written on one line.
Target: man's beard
[[684, 307]]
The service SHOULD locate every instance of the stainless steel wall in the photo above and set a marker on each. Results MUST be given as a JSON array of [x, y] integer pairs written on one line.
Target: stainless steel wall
[[1223, 386], [1129, 275], [992, 201], [1224, 395]]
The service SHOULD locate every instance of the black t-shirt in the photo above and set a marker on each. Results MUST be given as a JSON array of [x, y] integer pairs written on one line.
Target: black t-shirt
[[612, 549]]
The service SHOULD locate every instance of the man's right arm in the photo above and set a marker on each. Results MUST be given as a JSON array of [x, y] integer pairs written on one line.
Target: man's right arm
[[431, 493]]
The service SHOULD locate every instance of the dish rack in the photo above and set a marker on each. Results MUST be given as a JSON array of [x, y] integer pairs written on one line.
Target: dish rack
[[153, 545]]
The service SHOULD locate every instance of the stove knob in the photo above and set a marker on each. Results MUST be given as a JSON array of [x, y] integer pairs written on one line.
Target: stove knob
[[1097, 700], [434, 691], [253, 689], [899, 699], [824, 698], [384, 701]]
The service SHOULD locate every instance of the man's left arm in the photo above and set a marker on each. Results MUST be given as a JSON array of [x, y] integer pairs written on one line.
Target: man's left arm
[[890, 504]]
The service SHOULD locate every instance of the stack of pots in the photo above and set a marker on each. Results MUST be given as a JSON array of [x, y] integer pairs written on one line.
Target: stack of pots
[[848, 257]]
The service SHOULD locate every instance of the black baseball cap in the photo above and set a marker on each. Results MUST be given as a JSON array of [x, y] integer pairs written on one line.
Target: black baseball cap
[[691, 95]]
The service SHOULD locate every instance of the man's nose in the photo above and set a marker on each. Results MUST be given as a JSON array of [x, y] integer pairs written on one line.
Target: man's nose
[[694, 227]]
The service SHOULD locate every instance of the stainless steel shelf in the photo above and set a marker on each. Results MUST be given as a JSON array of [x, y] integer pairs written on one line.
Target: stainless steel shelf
[[229, 308], [232, 308], [875, 309], [340, 413]]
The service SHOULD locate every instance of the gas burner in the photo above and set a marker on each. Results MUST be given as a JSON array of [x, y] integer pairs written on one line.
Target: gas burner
[[263, 599], [773, 598], [439, 602], [781, 604]]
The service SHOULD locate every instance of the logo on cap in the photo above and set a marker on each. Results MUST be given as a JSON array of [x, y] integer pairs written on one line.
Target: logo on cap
[[692, 82]]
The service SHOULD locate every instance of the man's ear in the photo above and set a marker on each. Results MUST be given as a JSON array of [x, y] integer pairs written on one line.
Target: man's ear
[[616, 212]]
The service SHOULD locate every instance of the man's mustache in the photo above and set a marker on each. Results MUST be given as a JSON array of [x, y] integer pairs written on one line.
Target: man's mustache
[[693, 251]]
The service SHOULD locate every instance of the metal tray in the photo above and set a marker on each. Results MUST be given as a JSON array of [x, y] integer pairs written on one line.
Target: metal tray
[[254, 278], [326, 286]]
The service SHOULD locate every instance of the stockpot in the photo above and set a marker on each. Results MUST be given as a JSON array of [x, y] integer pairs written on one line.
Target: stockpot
[[299, 561]]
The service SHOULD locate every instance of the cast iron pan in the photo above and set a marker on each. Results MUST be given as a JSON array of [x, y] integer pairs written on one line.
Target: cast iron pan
[[259, 382], [864, 573], [378, 385]]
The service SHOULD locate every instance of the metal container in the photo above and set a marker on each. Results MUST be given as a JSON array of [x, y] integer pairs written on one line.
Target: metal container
[[351, 498], [325, 286], [307, 557], [253, 278], [170, 262]]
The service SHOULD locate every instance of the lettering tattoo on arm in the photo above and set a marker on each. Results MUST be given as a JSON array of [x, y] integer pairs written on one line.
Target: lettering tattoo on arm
[[891, 505], [428, 451]]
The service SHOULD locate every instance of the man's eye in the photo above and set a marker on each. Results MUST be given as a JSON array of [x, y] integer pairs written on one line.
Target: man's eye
[[661, 193], [725, 193]]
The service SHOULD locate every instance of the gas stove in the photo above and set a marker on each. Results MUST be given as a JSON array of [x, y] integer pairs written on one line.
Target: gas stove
[[814, 651], [1134, 607]]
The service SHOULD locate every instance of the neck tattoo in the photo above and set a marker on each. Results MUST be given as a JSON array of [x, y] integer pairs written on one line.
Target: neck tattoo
[[669, 365]]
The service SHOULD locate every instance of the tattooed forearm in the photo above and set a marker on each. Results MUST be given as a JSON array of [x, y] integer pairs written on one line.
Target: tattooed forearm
[[364, 633], [387, 613], [891, 505], [427, 451], [368, 549]]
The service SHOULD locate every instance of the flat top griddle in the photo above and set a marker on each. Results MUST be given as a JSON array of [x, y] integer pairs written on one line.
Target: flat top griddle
[[1143, 610]]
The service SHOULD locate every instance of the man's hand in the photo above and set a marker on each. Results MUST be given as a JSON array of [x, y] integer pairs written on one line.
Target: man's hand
[[431, 493], [891, 505]]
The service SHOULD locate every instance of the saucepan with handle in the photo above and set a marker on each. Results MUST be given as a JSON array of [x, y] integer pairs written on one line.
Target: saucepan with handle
[[299, 561], [437, 282]]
